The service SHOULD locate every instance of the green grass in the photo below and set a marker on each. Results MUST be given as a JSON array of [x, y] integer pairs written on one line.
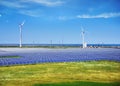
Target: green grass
[[9, 56], [60, 73], [80, 83]]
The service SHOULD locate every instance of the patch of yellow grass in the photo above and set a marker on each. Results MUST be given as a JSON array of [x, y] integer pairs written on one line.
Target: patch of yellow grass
[[27, 75]]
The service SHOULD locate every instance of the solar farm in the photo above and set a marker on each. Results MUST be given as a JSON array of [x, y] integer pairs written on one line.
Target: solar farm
[[36, 56], [59, 67]]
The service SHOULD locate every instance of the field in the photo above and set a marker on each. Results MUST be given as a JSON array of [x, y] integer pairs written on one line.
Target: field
[[59, 67], [94, 73], [17, 56]]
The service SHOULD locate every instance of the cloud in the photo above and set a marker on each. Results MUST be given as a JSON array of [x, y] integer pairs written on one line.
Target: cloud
[[25, 3], [33, 13], [27, 7], [0, 15], [15, 4], [104, 15], [47, 2]]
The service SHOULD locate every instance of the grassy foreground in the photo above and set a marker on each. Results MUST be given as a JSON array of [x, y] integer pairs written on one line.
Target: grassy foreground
[[94, 73], [81, 83]]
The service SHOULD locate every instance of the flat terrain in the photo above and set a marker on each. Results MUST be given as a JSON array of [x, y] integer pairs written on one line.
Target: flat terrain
[[94, 73], [59, 67]]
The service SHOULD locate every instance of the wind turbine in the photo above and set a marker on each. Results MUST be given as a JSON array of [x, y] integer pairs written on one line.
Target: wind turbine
[[20, 26], [83, 37]]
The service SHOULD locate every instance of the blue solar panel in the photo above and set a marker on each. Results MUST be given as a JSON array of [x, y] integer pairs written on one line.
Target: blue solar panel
[[66, 55]]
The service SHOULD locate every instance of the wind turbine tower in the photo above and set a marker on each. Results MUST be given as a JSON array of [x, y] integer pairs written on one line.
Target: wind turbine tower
[[20, 26], [83, 38]]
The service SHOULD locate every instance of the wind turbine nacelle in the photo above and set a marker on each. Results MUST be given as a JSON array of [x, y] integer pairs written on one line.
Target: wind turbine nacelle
[[84, 45]]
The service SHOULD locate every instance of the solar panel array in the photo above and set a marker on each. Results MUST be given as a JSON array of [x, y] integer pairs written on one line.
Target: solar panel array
[[63, 55]]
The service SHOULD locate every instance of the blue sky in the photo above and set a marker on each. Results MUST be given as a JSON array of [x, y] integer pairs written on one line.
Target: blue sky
[[60, 20]]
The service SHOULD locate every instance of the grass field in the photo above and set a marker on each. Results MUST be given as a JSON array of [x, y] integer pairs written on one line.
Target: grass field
[[94, 73], [81, 83], [9, 56]]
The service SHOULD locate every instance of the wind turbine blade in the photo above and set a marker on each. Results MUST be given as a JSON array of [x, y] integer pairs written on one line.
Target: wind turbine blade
[[23, 23], [82, 30]]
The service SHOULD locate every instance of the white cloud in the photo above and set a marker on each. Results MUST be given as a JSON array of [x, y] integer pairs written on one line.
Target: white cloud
[[22, 5], [104, 15], [25, 3], [33, 13], [15, 4], [48, 2]]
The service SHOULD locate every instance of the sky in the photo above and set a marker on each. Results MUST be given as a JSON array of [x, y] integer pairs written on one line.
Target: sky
[[60, 21]]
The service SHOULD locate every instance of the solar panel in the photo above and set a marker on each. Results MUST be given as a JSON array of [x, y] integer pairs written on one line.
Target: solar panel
[[66, 55]]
